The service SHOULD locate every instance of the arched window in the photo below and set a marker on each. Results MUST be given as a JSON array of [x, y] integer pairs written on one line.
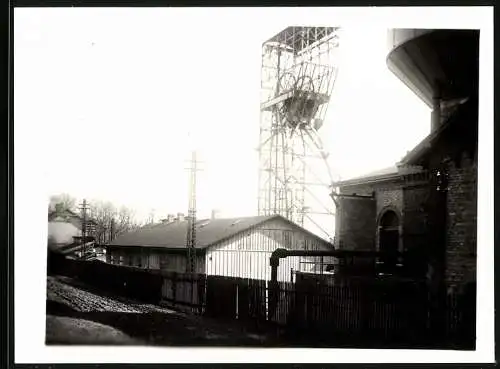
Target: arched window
[[389, 220], [389, 241]]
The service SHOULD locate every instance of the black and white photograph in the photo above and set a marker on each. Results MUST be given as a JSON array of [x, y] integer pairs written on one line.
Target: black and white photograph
[[232, 179]]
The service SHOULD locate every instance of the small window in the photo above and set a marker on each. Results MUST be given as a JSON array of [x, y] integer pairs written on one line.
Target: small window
[[121, 260], [288, 239], [163, 262]]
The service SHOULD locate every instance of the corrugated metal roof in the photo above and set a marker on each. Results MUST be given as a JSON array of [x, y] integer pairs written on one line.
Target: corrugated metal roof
[[173, 235]]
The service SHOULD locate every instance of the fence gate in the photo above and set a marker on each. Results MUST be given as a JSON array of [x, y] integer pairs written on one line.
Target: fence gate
[[221, 297]]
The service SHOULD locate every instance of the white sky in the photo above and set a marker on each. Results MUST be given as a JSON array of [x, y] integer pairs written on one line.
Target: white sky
[[112, 93]]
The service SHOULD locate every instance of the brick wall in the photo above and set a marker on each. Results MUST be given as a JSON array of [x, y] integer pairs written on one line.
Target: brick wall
[[357, 217], [456, 153], [356, 224], [415, 217], [461, 243], [389, 195], [386, 194]]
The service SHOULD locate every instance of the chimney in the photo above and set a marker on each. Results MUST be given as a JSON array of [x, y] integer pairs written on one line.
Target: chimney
[[180, 217], [215, 214]]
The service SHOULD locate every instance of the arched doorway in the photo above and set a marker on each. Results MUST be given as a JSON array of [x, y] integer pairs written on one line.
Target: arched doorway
[[389, 240]]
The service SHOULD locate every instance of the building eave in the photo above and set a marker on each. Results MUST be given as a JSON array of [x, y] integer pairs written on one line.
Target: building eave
[[182, 249], [366, 180], [426, 144]]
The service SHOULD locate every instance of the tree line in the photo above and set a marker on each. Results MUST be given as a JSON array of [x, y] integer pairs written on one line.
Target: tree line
[[105, 220]]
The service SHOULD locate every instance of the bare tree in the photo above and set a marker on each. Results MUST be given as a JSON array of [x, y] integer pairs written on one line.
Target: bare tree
[[124, 221], [102, 214], [110, 222]]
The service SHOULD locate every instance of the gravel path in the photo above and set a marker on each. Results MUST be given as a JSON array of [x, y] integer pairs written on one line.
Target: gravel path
[[80, 314], [63, 290]]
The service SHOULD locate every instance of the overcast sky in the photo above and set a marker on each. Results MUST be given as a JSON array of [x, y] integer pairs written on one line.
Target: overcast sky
[[110, 95]]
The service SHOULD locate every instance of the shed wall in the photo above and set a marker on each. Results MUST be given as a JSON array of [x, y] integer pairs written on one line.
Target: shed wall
[[153, 259], [247, 255]]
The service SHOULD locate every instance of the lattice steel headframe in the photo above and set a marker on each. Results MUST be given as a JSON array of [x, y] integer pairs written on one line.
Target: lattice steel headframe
[[298, 75]]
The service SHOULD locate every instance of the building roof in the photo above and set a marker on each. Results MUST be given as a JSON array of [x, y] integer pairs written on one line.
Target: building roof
[[69, 216], [208, 232], [411, 162], [393, 169], [380, 175], [458, 108], [425, 145]]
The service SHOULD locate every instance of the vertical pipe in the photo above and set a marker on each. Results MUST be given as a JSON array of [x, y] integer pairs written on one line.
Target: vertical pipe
[[237, 300], [436, 108], [273, 285], [436, 114]]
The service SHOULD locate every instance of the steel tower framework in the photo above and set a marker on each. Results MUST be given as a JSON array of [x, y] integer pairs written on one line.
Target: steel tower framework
[[297, 80]]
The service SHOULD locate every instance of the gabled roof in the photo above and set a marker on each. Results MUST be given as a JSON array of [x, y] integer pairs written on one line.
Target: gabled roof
[[66, 213], [208, 232], [69, 216]]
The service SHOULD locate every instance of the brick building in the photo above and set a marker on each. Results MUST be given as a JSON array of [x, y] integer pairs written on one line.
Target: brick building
[[425, 205]]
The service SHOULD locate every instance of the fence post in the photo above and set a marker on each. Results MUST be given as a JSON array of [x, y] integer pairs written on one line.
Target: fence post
[[273, 286]]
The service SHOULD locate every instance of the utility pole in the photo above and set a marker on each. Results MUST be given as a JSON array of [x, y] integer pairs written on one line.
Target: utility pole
[[191, 228], [84, 207], [112, 230], [152, 216]]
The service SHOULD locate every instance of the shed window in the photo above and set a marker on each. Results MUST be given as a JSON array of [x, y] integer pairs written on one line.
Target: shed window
[[288, 239], [137, 262], [163, 262]]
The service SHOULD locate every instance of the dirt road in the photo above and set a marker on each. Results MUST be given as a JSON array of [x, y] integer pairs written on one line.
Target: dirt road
[[78, 314]]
